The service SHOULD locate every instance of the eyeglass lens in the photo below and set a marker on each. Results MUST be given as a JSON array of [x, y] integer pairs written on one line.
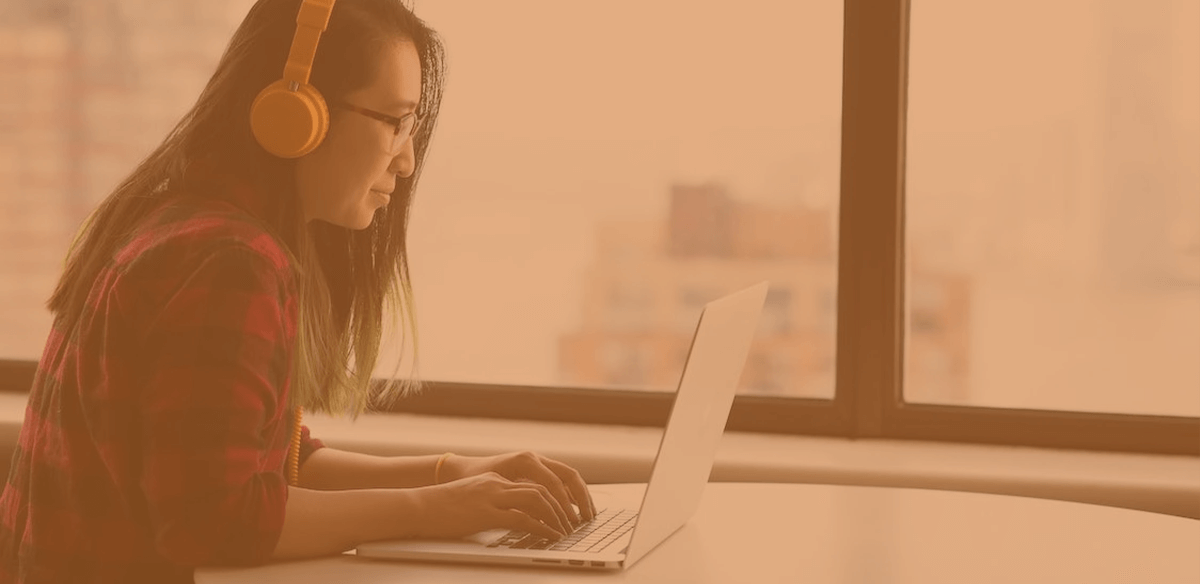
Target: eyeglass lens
[[408, 127]]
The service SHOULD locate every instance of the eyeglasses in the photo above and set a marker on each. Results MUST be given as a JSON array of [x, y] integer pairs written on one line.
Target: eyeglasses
[[405, 127]]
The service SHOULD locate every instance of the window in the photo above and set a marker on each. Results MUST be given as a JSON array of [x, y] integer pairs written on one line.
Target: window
[[668, 165], [1054, 205], [934, 204]]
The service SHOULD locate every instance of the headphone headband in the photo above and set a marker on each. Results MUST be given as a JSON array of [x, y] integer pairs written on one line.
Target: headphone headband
[[311, 21]]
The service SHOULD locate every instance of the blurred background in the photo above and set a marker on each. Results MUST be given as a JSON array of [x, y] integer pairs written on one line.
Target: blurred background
[[600, 172]]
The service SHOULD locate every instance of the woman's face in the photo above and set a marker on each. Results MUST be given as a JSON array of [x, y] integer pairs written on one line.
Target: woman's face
[[353, 173]]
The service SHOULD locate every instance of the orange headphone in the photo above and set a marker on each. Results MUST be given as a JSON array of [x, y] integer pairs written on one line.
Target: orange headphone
[[289, 117]]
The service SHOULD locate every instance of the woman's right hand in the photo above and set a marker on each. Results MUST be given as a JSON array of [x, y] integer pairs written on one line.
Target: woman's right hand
[[489, 501]]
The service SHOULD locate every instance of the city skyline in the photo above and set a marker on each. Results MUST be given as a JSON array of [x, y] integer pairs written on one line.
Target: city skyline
[[650, 280]]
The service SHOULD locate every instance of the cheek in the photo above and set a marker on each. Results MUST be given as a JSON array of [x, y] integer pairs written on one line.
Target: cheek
[[354, 156], [341, 166]]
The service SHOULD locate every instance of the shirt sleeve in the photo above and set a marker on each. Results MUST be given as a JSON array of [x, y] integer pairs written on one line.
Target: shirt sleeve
[[217, 359]]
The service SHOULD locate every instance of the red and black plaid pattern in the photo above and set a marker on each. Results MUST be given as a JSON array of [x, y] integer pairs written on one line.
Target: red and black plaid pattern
[[157, 426]]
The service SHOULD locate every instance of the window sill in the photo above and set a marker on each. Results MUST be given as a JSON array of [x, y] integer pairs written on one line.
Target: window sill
[[613, 454]]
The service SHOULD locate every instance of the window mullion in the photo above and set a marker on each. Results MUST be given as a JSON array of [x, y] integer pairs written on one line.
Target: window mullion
[[871, 228]]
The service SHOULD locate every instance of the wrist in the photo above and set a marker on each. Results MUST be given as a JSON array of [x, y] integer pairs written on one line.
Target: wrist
[[441, 473], [411, 511]]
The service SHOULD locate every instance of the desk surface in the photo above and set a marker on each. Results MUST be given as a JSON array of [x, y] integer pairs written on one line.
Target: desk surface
[[776, 533]]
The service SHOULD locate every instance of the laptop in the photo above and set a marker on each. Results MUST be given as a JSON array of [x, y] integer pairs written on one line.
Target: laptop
[[625, 530]]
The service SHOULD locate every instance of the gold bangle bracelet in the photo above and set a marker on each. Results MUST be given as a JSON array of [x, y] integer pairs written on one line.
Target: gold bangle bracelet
[[437, 469]]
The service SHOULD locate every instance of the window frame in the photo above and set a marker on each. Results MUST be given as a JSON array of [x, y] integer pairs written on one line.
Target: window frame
[[868, 401], [871, 273]]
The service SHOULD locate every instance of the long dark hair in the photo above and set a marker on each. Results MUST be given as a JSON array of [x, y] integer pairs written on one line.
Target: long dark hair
[[345, 277]]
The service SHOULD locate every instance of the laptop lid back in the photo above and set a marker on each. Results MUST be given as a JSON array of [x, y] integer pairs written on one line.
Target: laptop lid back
[[703, 399]]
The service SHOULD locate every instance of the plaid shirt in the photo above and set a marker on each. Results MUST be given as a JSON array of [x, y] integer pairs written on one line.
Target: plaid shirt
[[157, 426]]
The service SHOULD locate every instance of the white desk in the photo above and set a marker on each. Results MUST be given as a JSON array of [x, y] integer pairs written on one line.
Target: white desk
[[776, 533]]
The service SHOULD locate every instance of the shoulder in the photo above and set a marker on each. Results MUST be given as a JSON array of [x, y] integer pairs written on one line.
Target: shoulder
[[203, 250], [188, 231]]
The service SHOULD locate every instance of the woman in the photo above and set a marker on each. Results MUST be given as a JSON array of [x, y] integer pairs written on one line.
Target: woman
[[221, 288]]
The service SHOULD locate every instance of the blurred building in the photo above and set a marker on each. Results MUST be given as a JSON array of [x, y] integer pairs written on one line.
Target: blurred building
[[38, 126], [650, 281], [87, 89], [1149, 231]]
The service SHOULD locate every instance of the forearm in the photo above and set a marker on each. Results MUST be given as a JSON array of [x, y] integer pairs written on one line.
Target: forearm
[[322, 523], [331, 469]]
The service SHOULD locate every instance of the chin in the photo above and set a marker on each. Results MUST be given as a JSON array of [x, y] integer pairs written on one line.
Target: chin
[[355, 224], [373, 214], [355, 219]]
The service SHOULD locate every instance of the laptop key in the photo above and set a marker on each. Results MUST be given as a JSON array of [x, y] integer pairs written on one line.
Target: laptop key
[[585, 538]]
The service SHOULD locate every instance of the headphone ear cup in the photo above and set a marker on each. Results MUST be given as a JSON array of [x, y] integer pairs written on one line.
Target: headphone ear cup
[[286, 123]]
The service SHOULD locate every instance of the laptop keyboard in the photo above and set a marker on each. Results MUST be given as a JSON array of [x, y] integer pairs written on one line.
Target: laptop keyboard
[[592, 536]]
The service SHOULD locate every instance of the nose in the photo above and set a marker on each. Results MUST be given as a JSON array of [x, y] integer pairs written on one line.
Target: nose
[[404, 163]]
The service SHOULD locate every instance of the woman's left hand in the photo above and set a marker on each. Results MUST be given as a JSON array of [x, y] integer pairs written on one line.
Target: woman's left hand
[[564, 483]]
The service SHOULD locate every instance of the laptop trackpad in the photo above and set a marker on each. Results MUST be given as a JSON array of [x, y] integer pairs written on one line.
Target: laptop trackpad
[[486, 537]]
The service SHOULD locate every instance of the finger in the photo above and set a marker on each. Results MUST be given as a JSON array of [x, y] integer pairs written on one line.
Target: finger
[[533, 466], [554, 483], [565, 517], [516, 520], [560, 513], [536, 501], [574, 484], [579, 506]]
